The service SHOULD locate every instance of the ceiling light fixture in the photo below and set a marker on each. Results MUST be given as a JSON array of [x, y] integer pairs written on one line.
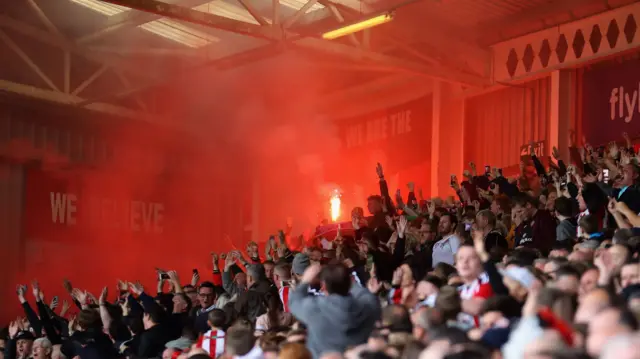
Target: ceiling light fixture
[[358, 26]]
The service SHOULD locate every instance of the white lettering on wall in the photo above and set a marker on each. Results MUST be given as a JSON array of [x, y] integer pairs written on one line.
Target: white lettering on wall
[[378, 129], [63, 208], [624, 104], [138, 216]]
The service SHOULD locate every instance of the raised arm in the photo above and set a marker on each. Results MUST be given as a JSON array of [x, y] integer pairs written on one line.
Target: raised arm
[[302, 304], [28, 311]]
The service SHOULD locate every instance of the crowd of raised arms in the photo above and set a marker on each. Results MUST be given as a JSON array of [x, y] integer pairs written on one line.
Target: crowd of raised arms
[[540, 266]]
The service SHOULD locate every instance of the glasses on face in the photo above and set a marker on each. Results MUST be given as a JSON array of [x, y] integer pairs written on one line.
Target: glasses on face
[[206, 295]]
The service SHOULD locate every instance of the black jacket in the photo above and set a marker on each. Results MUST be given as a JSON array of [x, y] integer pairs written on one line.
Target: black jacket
[[152, 341], [251, 303]]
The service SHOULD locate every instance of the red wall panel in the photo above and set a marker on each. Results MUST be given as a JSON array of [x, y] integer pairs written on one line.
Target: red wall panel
[[499, 122]]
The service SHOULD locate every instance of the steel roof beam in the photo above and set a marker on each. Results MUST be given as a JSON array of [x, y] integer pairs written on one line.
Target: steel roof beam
[[68, 99], [66, 45], [129, 19], [198, 17], [330, 47], [392, 63]]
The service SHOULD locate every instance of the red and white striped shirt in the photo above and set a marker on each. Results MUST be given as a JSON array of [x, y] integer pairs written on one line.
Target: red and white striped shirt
[[212, 342], [284, 297], [479, 288]]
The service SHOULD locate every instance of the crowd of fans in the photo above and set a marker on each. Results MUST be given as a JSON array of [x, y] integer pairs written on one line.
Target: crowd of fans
[[540, 266]]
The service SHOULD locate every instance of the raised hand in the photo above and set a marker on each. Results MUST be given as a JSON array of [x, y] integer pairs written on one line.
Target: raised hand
[[72, 325], [555, 153], [311, 273], [103, 296], [478, 243], [80, 296], [379, 171], [54, 302], [122, 286], [136, 288], [214, 257], [230, 260], [65, 308], [35, 289], [613, 150], [21, 290], [402, 226], [397, 276], [431, 207], [14, 328], [195, 278], [389, 221], [411, 186], [398, 196], [67, 286], [374, 285]]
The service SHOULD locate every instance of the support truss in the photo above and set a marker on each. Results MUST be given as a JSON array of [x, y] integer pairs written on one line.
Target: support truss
[[315, 44], [63, 92]]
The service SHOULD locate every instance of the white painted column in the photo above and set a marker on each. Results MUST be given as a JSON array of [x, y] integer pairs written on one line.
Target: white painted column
[[562, 111]]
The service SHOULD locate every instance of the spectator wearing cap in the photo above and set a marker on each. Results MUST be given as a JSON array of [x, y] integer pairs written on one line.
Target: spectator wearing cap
[[300, 263], [251, 302], [518, 281], [19, 344]]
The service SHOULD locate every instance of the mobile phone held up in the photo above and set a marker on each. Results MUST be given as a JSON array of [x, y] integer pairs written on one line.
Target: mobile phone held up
[[605, 174], [487, 171], [195, 271]]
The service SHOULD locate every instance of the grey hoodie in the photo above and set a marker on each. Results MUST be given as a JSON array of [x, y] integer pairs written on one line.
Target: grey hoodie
[[335, 322]]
